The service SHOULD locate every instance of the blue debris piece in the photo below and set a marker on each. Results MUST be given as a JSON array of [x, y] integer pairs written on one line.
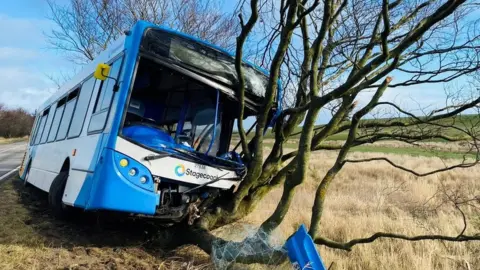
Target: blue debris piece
[[302, 252]]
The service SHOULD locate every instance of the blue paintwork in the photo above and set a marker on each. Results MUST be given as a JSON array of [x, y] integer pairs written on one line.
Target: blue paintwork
[[215, 123], [146, 135], [183, 114], [302, 252], [111, 190], [141, 171]]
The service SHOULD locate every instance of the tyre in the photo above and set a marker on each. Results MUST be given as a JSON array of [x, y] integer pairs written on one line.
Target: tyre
[[55, 195]]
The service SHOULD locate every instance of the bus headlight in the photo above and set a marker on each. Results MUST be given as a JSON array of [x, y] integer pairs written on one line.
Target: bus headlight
[[132, 172], [123, 162]]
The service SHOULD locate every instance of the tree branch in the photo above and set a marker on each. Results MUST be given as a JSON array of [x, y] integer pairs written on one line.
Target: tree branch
[[348, 245], [448, 168]]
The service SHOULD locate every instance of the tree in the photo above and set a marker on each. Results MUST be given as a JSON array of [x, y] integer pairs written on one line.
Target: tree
[[84, 28], [348, 48], [15, 122], [328, 53]]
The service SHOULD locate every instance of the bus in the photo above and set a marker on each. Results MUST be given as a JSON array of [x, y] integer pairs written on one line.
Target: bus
[[145, 128]]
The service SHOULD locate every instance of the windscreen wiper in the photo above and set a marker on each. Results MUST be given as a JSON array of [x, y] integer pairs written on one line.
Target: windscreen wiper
[[154, 157], [166, 154], [193, 156]]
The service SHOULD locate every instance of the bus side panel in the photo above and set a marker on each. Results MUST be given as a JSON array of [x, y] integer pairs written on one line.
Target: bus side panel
[[82, 167], [47, 163]]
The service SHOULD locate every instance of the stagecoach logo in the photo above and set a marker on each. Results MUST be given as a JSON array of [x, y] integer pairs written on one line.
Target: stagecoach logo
[[180, 170]]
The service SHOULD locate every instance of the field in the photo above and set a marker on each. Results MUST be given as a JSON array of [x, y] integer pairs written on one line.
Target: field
[[12, 140], [449, 129], [363, 199], [375, 197]]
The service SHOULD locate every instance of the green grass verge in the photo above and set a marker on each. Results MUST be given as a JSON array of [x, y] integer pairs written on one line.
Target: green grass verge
[[461, 121], [409, 151]]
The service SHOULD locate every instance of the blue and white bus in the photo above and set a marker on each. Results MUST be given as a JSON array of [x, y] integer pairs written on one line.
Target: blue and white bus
[[145, 128]]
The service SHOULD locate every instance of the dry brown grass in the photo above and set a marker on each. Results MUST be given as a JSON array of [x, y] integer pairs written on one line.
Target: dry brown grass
[[364, 198], [31, 239], [371, 197], [12, 140], [460, 146]]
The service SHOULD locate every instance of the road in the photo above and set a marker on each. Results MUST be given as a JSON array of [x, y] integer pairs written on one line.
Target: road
[[10, 157]]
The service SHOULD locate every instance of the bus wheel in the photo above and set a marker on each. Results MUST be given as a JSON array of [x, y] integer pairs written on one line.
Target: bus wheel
[[55, 195]]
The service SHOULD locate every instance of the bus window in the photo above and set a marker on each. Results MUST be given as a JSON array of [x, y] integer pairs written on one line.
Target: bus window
[[82, 107], [56, 119], [104, 98], [67, 114], [43, 120], [35, 129], [48, 124]]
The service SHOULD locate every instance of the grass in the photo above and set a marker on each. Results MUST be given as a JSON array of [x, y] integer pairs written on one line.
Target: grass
[[363, 199], [461, 121], [371, 197], [398, 150], [12, 140], [30, 238], [411, 151]]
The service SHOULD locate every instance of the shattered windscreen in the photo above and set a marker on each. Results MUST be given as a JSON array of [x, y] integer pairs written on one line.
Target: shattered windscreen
[[197, 56]]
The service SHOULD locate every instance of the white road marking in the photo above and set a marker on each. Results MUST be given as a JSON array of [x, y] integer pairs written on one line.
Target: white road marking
[[3, 177]]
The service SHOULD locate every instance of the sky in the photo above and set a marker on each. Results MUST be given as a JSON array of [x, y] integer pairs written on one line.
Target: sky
[[26, 62]]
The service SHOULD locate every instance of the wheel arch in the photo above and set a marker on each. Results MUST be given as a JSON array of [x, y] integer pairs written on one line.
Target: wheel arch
[[65, 166]]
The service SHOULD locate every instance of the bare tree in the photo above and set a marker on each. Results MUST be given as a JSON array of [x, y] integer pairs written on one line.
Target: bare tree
[[328, 53], [15, 122], [84, 28]]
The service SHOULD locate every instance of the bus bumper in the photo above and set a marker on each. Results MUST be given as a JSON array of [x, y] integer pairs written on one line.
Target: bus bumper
[[114, 190]]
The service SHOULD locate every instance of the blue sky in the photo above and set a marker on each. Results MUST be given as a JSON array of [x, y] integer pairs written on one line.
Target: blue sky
[[26, 61]]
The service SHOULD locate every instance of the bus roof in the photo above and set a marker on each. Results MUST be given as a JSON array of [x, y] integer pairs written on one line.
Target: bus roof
[[118, 46]]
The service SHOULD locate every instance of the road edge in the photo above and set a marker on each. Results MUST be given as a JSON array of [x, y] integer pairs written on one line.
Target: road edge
[[7, 175]]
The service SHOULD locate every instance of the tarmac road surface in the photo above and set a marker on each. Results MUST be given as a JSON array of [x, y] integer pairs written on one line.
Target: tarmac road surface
[[10, 158]]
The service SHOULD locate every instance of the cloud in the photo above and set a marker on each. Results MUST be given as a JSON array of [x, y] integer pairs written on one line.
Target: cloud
[[23, 32], [27, 98], [17, 54], [25, 62], [21, 88]]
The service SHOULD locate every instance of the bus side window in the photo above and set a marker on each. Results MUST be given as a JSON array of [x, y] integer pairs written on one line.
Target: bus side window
[[56, 119], [104, 99], [41, 127], [34, 130], [81, 109], [67, 114], [48, 124]]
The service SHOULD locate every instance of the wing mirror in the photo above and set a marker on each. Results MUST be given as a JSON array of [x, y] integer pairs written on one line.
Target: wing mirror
[[102, 71]]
